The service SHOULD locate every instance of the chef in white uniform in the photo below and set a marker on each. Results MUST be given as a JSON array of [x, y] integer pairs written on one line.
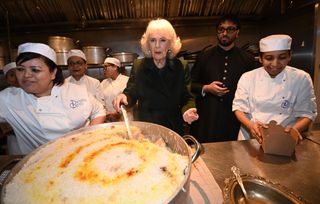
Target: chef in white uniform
[[274, 91], [77, 65], [45, 107], [113, 84], [9, 71]]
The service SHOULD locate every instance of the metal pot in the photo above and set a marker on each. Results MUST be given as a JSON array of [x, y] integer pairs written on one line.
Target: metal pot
[[62, 44], [125, 57], [95, 54], [62, 58], [173, 141]]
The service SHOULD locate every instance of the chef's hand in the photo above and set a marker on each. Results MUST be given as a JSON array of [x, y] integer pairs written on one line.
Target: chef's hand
[[288, 129], [120, 99], [190, 115], [216, 87], [255, 130]]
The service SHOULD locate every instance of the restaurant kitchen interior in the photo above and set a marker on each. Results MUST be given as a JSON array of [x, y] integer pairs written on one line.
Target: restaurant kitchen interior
[[118, 25]]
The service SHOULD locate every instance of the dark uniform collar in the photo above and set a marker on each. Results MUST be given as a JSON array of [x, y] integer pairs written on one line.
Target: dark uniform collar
[[151, 65], [225, 51]]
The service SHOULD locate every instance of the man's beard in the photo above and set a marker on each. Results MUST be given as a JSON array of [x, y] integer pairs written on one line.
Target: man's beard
[[227, 42]]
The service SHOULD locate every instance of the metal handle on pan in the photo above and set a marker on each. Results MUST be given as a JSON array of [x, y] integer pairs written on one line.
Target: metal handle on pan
[[6, 169], [198, 147]]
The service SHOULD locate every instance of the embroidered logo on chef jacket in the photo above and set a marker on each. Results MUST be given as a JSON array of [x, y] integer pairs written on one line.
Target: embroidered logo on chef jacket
[[76, 103], [285, 104]]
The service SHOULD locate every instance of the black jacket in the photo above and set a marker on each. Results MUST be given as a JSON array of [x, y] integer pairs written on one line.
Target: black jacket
[[161, 94]]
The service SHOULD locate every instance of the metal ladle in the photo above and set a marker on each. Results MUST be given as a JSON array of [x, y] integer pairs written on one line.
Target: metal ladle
[[126, 121], [236, 172]]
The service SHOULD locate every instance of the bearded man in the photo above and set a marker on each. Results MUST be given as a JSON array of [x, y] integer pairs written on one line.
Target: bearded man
[[214, 81]]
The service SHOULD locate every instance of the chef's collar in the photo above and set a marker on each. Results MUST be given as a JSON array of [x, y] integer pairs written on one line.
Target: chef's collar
[[280, 76]]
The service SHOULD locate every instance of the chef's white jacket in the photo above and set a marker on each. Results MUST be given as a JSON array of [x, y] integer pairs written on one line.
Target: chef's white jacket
[[285, 98], [36, 121], [92, 84], [112, 88]]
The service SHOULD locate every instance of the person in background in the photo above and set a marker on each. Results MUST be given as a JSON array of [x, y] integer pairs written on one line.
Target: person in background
[[214, 78], [9, 71], [157, 82], [44, 107], [274, 91], [77, 65], [113, 84]]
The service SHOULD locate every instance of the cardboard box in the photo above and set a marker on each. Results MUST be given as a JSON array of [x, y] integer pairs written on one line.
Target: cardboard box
[[277, 141]]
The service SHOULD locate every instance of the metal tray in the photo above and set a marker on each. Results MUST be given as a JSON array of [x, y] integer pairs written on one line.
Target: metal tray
[[259, 190]]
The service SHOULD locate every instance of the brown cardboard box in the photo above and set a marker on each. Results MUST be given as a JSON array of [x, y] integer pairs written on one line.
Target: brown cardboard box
[[276, 141]]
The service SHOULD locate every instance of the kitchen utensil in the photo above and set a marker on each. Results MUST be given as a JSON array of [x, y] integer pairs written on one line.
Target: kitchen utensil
[[125, 57], [61, 43], [95, 54], [261, 191], [62, 58], [125, 116], [236, 172], [153, 132]]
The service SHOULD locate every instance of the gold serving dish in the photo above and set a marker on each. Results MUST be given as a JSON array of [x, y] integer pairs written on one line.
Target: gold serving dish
[[259, 191]]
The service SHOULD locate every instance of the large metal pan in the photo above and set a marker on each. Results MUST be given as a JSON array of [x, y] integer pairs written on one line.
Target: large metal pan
[[125, 57], [95, 54], [173, 141], [61, 43]]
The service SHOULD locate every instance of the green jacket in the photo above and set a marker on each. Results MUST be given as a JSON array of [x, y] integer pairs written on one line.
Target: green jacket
[[162, 94]]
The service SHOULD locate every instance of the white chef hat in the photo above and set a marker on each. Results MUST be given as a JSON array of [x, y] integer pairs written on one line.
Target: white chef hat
[[77, 53], [8, 67], [275, 43], [38, 48], [113, 61]]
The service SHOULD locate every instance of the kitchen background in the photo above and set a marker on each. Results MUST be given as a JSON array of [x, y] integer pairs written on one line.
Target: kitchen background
[[119, 24]]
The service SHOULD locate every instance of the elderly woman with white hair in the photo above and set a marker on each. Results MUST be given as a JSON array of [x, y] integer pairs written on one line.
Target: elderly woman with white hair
[[44, 107], [157, 82], [274, 91]]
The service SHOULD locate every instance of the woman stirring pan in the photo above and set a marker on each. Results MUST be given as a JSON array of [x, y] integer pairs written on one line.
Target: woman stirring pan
[[157, 81], [45, 107], [274, 91]]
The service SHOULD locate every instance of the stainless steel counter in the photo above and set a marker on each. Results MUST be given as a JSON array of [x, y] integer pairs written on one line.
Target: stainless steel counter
[[300, 173]]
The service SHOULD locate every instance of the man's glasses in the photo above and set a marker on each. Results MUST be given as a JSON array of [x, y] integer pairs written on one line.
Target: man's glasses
[[230, 29], [71, 63]]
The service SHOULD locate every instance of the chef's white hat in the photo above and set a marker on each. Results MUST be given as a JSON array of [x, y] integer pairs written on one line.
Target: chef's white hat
[[275, 43], [38, 48], [8, 67], [76, 53], [112, 60]]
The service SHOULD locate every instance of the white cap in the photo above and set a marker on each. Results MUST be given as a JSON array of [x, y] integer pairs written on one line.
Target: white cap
[[112, 60], [275, 43], [8, 67], [77, 53], [38, 48]]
